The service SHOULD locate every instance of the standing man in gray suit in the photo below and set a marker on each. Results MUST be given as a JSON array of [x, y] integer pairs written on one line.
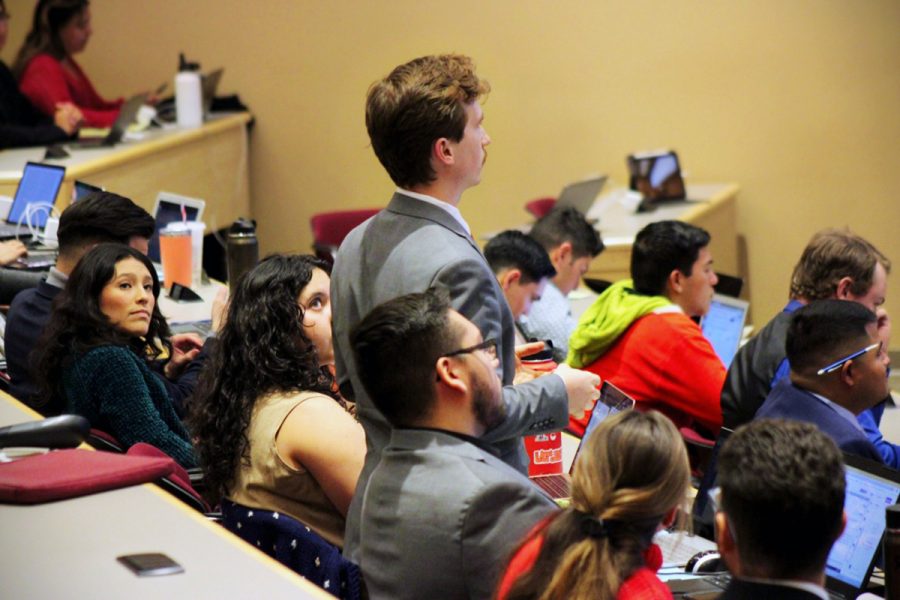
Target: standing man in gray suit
[[441, 512], [425, 124]]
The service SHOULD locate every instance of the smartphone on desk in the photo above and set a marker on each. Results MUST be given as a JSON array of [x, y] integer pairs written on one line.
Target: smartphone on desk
[[150, 564]]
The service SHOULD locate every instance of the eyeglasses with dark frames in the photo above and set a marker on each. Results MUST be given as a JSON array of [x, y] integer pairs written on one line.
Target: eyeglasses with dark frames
[[489, 346], [840, 363]]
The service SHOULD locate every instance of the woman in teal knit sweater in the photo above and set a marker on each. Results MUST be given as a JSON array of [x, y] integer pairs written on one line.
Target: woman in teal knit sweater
[[95, 351]]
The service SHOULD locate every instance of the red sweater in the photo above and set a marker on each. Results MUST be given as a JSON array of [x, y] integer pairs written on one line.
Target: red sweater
[[642, 585], [46, 83], [664, 363]]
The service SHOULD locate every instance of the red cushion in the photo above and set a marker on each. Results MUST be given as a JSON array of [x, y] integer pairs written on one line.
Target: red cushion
[[70, 473]]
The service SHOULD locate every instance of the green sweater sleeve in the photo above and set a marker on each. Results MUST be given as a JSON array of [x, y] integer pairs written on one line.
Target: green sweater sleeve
[[115, 391]]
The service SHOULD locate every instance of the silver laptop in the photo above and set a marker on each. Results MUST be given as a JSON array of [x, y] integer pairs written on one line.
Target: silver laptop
[[723, 325], [127, 114], [581, 194], [209, 85]]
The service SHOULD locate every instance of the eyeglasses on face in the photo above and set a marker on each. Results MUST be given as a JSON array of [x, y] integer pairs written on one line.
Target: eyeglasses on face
[[489, 346], [840, 363]]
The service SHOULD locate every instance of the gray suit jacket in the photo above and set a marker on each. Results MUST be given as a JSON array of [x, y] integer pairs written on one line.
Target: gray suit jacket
[[440, 518], [409, 247]]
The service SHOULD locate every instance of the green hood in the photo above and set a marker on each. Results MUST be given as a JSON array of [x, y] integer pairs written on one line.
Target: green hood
[[607, 318]]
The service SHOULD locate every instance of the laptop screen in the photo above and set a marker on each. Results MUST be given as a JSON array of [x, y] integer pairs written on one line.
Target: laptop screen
[[168, 210], [723, 326], [868, 495], [612, 400], [39, 185]]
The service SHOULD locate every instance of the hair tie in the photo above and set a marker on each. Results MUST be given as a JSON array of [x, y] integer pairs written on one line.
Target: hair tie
[[593, 526]]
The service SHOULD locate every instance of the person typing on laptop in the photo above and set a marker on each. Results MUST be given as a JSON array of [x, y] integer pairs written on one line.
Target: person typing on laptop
[[572, 243], [838, 264], [781, 509], [103, 217], [838, 370]]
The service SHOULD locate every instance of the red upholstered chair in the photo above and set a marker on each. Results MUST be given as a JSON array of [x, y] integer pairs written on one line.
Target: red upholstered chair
[[329, 229], [540, 206]]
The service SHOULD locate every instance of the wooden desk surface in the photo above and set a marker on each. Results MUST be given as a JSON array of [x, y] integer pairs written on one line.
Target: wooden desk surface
[[68, 549], [209, 162], [711, 206]]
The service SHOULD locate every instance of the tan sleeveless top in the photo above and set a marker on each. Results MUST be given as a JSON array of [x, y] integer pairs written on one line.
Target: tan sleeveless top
[[270, 483]]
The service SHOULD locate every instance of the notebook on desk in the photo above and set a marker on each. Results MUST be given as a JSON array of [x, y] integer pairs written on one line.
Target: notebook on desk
[[35, 195], [612, 400], [723, 325]]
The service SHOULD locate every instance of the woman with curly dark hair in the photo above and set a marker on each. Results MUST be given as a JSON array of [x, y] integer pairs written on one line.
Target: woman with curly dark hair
[[95, 352], [271, 432]]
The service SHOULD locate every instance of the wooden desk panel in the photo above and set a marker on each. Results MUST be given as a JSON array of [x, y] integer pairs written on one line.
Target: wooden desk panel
[[210, 162], [714, 210]]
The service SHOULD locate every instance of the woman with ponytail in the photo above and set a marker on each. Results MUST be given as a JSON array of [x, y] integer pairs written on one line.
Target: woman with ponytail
[[631, 476]]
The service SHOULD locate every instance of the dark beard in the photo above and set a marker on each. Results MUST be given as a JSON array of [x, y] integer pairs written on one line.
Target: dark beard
[[489, 412]]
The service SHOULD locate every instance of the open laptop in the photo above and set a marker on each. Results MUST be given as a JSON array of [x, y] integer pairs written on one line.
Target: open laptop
[[723, 325], [581, 194], [871, 488], [168, 209], [127, 113], [35, 195], [612, 400], [82, 189], [208, 88]]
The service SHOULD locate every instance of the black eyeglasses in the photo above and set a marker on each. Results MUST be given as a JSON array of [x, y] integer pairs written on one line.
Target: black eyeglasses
[[489, 346], [839, 363]]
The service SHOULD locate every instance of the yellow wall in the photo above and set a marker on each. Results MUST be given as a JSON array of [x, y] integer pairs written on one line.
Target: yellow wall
[[797, 101]]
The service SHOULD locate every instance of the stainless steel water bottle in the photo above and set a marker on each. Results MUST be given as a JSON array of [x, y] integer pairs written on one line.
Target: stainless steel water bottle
[[242, 251]]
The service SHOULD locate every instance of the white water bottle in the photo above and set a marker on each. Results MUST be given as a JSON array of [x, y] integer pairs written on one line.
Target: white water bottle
[[188, 95]]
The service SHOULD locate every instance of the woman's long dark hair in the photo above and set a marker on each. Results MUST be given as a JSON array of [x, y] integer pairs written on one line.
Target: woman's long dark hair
[[49, 17], [77, 324], [262, 349]]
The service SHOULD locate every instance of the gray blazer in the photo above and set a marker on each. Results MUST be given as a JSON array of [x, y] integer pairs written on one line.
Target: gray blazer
[[409, 247], [441, 517]]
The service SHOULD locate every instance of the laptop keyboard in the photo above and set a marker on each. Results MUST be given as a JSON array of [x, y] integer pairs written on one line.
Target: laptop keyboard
[[556, 486]]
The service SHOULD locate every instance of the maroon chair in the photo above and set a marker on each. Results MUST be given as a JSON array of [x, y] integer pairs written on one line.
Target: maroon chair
[[540, 206], [329, 229]]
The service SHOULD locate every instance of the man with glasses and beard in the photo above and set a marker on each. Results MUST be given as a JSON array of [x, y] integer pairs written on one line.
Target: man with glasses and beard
[[441, 510]]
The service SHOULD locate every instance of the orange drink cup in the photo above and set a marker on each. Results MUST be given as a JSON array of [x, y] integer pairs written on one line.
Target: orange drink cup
[[175, 252]]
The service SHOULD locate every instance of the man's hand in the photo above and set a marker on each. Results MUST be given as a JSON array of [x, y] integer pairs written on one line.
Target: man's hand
[[583, 388], [10, 251], [523, 372], [185, 348]]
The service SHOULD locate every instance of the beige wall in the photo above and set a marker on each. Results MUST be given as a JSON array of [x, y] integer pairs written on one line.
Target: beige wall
[[797, 101]]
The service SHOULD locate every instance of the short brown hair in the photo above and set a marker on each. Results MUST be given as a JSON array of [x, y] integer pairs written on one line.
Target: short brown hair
[[831, 255], [419, 102]]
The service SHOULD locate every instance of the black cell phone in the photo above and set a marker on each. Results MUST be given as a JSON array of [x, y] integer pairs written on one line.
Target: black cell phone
[[150, 564]]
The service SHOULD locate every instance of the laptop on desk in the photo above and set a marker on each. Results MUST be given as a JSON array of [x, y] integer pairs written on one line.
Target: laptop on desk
[[581, 194], [723, 325], [35, 196], [168, 209], [612, 400], [871, 488], [127, 114]]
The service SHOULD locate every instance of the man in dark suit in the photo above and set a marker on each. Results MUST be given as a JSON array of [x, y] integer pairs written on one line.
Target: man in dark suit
[[441, 510], [781, 509], [838, 370], [425, 124]]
